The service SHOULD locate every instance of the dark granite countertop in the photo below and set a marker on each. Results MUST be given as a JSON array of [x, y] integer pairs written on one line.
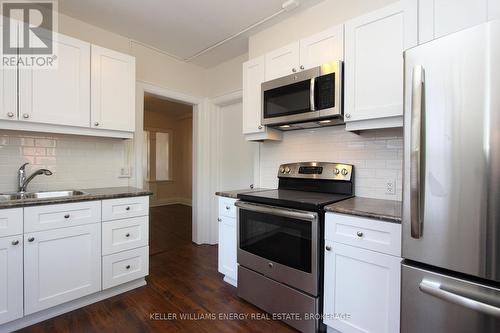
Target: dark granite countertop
[[91, 194], [385, 210], [234, 193]]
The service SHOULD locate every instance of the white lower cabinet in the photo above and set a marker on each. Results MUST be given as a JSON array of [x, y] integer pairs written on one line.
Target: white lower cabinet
[[124, 266], [228, 241], [61, 265], [362, 274], [11, 283]]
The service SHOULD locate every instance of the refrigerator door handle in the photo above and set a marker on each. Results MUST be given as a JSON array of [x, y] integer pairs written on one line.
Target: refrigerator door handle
[[417, 114], [434, 289]]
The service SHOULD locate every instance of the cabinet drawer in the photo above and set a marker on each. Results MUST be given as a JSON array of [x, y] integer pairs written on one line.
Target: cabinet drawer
[[11, 222], [123, 208], [127, 234], [124, 267], [40, 218], [384, 237], [227, 207]]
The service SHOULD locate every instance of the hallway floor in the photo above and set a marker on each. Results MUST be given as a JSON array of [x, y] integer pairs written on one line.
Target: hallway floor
[[183, 280]]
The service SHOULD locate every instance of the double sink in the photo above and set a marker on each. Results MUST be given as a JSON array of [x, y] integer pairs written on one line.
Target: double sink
[[39, 195]]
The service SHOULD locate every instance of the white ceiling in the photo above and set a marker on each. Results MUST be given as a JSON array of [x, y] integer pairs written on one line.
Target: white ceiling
[[180, 27]]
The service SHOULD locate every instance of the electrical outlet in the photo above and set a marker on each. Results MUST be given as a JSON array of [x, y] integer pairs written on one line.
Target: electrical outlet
[[390, 187], [124, 173]]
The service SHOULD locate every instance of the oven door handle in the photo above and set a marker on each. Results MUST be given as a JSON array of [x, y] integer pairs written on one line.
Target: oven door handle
[[278, 211]]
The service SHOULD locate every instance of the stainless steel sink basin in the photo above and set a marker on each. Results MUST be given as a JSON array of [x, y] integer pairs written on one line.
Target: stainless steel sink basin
[[40, 195]]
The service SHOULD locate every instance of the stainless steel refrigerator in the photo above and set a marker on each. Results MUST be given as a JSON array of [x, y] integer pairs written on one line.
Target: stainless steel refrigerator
[[451, 200]]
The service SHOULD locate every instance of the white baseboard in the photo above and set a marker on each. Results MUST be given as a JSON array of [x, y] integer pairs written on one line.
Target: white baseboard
[[171, 201], [70, 306]]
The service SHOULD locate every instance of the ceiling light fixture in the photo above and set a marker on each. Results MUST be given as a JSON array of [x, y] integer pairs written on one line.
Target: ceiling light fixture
[[286, 6]]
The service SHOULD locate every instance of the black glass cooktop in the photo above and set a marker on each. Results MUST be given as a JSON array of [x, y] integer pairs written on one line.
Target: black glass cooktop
[[293, 199]]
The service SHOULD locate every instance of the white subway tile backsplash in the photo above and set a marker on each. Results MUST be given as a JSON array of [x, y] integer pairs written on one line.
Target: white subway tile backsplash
[[376, 156], [77, 162]]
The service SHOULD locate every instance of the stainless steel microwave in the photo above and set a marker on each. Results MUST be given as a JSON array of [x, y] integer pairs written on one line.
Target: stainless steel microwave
[[311, 96]]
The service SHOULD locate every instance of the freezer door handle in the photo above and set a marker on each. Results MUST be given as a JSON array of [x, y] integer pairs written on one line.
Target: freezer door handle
[[434, 289], [417, 131]]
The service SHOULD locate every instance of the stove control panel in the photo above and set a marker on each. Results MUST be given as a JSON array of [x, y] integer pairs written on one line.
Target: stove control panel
[[316, 170]]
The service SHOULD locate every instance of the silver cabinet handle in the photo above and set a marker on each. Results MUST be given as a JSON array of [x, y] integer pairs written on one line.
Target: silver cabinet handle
[[127, 267], [294, 70], [260, 127], [311, 94], [127, 208], [228, 208], [270, 265], [219, 220], [359, 233], [31, 239], [328, 248], [26, 116], [434, 289], [416, 151], [66, 216], [10, 114], [348, 116], [96, 123], [301, 66], [15, 242], [127, 235]]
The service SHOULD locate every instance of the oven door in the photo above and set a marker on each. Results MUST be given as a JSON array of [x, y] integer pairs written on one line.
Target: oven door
[[279, 243]]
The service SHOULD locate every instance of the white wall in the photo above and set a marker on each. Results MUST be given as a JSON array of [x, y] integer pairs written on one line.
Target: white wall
[[76, 161], [376, 155]]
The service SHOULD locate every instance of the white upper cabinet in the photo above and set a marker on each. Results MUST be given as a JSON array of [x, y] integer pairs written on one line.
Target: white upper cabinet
[[60, 95], [322, 48], [113, 90], [441, 17], [283, 61], [493, 9], [253, 76], [374, 45], [11, 282], [8, 90]]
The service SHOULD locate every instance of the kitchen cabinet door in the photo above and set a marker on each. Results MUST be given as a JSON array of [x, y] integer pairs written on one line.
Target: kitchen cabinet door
[[11, 278], [61, 265], [322, 48], [253, 76], [374, 46], [113, 90], [8, 90], [441, 17], [59, 95], [227, 249], [362, 288], [493, 9], [283, 61]]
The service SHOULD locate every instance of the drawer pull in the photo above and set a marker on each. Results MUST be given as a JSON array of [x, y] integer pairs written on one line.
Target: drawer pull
[[31, 239], [66, 216], [127, 235], [228, 208], [15, 242], [359, 233], [128, 208], [328, 248], [127, 267]]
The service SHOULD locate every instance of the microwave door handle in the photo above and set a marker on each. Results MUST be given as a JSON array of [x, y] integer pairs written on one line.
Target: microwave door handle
[[417, 151], [311, 94]]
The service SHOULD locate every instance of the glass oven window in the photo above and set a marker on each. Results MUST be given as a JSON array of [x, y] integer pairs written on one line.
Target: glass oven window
[[287, 100], [279, 239]]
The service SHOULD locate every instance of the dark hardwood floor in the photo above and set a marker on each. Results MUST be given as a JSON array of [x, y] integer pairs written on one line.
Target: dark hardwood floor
[[183, 280]]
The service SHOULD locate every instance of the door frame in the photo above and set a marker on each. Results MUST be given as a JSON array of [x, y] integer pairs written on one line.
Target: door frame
[[216, 104], [201, 153]]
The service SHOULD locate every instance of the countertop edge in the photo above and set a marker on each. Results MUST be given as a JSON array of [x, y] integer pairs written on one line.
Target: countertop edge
[[82, 198], [347, 207]]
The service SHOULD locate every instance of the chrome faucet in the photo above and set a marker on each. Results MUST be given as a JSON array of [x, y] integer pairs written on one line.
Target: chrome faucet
[[23, 181]]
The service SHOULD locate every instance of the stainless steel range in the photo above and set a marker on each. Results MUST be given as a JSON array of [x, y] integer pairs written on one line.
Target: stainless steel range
[[280, 234]]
